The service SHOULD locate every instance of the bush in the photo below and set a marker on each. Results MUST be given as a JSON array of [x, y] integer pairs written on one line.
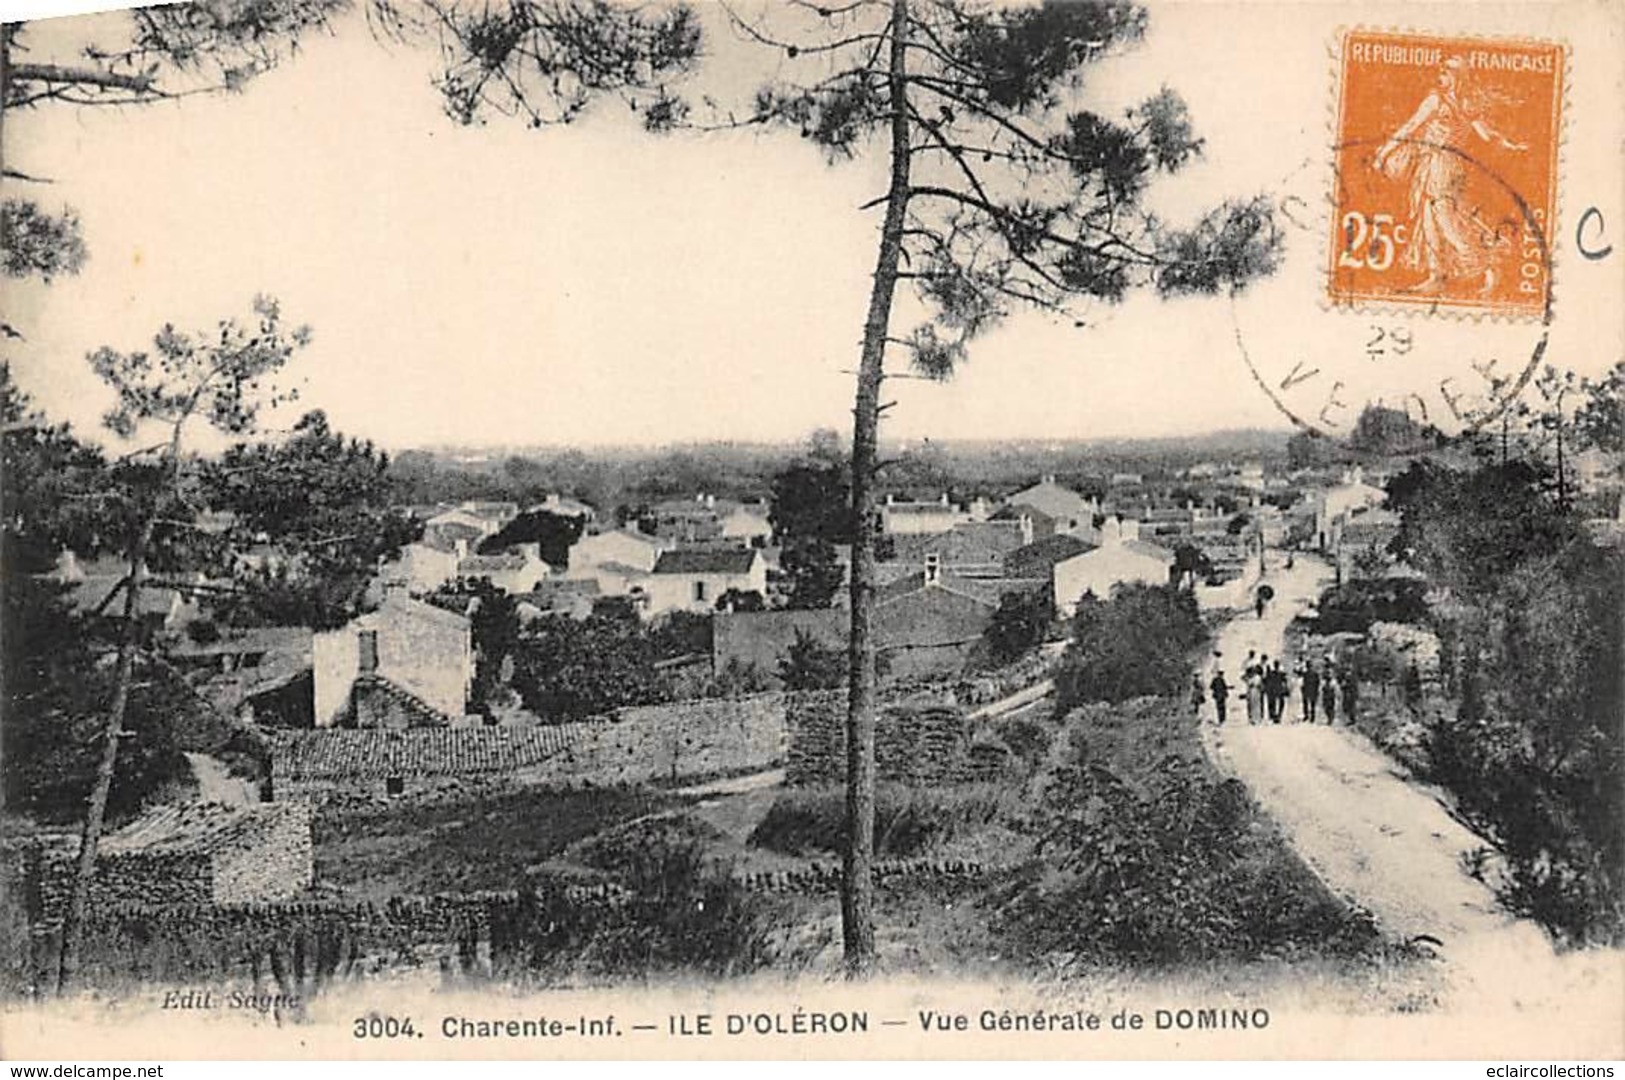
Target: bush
[[683, 911], [1353, 606], [1027, 739], [1173, 868], [1535, 750], [1135, 644], [908, 823]]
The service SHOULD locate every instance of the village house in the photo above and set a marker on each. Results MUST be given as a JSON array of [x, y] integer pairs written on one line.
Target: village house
[[563, 506], [91, 583], [407, 664], [1038, 559], [389, 763], [1596, 471], [747, 524], [1332, 506], [1065, 509], [519, 569], [573, 598], [254, 673], [617, 561], [1122, 557], [1366, 534], [633, 549], [929, 622], [684, 520], [969, 549], [906, 518], [693, 579]]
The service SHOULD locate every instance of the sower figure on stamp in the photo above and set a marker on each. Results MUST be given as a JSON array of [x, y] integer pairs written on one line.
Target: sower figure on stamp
[[1450, 240]]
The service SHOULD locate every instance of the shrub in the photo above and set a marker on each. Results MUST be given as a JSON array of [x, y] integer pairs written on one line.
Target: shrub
[[1176, 873], [1027, 739], [908, 823], [1353, 606], [1134, 644], [683, 910]]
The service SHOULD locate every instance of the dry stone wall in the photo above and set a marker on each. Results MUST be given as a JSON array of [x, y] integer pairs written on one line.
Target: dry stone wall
[[915, 743]]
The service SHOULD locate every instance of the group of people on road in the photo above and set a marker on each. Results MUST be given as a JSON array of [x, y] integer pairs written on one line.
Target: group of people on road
[[1267, 687]]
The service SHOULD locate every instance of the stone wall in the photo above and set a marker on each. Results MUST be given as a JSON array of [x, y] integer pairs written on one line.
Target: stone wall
[[686, 740], [689, 740], [915, 743], [280, 865], [150, 879]]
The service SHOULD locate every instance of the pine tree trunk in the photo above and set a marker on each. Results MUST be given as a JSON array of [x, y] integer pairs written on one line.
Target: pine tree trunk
[[73, 926], [857, 882]]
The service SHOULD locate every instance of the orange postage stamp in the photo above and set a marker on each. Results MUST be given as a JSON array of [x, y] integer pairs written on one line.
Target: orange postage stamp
[[1446, 157]]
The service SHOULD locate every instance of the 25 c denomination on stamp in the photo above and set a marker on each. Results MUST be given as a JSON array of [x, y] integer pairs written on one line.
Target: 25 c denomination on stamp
[[1446, 164]]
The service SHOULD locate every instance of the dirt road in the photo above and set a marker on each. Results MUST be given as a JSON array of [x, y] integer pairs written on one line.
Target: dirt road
[[1381, 840]]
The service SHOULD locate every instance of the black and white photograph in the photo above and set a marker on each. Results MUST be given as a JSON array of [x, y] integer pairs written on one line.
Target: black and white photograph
[[545, 529]]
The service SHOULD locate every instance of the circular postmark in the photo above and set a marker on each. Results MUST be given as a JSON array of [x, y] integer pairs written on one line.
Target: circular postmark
[[1430, 344], [1425, 286]]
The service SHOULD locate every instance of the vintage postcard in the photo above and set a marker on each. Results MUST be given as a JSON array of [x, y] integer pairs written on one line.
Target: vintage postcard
[[813, 529]]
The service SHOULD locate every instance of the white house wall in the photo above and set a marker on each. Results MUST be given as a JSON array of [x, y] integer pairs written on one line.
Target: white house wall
[[1099, 570]]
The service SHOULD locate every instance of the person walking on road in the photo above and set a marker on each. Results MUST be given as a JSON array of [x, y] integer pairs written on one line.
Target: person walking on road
[[1198, 695], [1221, 694], [1328, 694], [1310, 686], [1252, 677], [1275, 692], [1351, 694]]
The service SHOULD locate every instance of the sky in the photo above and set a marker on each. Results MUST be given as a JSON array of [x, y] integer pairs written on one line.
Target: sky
[[591, 285]]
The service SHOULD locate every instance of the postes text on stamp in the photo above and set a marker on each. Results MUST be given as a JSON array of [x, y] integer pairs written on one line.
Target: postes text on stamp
[[1446, 183]]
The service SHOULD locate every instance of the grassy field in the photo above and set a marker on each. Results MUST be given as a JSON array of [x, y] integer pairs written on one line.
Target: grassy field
[[487, 842]]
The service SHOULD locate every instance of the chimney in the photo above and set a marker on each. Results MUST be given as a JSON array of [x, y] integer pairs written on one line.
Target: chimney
[[1358, 474], [979, 509], [700, 498], [890, 498], [1111, 532], [933, 568], [944, 499], [1026, 528], [710, 502]]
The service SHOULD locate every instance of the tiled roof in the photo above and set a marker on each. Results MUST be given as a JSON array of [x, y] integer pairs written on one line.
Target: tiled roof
[[977, 542], [987, 591], [1147, 548], [1058, 502], [202, 828], [253, 639], [623, 569], [475, 564], [705, 561], [87, 595], [1038, 558], [377, 753]]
